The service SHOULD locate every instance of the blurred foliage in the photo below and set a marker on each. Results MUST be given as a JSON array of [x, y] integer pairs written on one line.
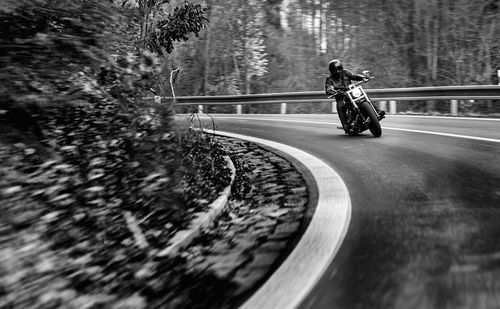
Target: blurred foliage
[[81, 153], [43, 44], [201, 172], [175, 27]]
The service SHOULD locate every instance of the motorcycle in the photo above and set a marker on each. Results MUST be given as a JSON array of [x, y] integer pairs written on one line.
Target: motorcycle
[[360, 111]]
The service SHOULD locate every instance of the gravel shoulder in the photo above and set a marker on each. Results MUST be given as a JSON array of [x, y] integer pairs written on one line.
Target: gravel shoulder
[[267, 212]]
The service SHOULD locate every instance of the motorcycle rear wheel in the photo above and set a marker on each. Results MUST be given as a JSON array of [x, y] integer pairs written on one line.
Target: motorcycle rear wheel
[[374, 124]]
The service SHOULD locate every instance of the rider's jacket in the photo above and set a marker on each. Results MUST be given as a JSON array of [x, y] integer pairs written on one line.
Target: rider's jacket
[[340, 82]]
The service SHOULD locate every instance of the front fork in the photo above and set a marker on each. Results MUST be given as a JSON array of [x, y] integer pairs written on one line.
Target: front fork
[[358, 112]]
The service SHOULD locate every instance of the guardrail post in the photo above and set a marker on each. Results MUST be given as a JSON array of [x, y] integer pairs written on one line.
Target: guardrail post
[[392, 107], [454, 107], [200, 109], [382, 105], [283, 108], [239, 109]]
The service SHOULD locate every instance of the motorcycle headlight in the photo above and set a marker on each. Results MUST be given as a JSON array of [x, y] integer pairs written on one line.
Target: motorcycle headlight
[[356, 92]]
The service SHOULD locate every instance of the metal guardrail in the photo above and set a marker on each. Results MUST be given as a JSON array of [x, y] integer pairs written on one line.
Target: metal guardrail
[[397, 94], [391, 95]]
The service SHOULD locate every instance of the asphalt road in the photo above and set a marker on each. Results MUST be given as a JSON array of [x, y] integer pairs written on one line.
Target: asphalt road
[[425, 225]]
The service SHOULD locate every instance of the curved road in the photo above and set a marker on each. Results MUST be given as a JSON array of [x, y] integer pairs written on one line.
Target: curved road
[[425, 226]]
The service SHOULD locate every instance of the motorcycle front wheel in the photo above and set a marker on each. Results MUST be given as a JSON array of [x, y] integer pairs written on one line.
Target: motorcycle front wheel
[[373, 123]]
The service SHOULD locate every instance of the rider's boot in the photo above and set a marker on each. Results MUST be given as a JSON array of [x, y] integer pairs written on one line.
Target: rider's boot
[[348, 129], [380, 113]]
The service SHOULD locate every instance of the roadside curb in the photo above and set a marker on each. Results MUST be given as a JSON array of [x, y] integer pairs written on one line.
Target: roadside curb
[[298, 274], [183, 238]]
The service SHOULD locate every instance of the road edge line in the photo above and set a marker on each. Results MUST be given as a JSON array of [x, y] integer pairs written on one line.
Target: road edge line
[[294, 279]]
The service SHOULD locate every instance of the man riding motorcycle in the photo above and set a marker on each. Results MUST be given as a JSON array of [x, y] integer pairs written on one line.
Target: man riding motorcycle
[[338, 79]]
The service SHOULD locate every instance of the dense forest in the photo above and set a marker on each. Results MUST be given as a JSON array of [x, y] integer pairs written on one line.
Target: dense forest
[[262, 46]]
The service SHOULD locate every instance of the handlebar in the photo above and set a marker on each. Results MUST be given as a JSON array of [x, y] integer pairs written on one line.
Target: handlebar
[[366, 79]]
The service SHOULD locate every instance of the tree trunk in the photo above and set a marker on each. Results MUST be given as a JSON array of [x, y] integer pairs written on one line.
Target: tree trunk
[[237, 70], [206, 55]]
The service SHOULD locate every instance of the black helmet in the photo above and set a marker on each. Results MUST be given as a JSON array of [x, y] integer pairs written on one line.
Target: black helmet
[[335, 67]]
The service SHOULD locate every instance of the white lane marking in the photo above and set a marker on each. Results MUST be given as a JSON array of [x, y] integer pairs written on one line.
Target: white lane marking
[[477, 138], [444, 117], [494, 140], [300, 272]]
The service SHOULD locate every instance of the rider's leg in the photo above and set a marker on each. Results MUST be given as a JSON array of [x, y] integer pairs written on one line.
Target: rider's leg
[[342, 113]]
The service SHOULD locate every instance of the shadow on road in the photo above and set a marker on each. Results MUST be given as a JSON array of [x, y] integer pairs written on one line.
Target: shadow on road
[[340, 136]]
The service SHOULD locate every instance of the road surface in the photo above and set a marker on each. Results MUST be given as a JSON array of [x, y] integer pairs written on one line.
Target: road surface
[[425, 225]]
